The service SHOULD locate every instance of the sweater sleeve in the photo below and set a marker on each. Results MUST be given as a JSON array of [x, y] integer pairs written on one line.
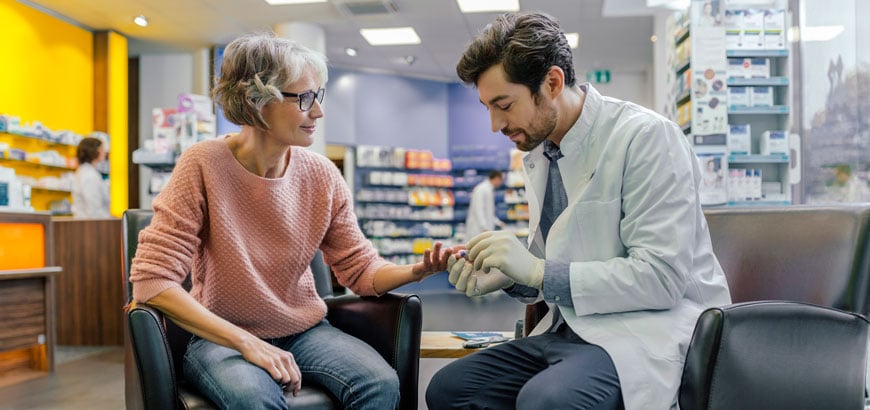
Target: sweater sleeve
[[345, 249], [167, 246]]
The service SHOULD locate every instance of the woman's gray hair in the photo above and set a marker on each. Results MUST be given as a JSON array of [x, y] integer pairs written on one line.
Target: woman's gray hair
[[255, 68]]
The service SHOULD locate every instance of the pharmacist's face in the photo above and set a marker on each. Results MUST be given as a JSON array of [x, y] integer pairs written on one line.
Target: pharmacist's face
[[288, 123], [524, 118]]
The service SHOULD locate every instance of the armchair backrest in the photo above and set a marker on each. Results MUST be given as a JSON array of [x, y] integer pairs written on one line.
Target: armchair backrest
[[775, 355], [805, 253]]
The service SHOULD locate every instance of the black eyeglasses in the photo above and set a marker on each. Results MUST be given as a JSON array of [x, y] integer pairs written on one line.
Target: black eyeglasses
[[306, 99]]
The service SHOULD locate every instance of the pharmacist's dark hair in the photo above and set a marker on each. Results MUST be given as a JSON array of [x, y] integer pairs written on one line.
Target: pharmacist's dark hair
[[495, 174], [88, 150], [526, 44], [255, 68]]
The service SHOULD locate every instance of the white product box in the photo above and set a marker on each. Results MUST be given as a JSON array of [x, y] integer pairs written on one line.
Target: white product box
[[774, 29], [739, 97], [761, 96], [757, 67], [773, 143], [753, 28], [733, 29], [735, 68], [739, 139]]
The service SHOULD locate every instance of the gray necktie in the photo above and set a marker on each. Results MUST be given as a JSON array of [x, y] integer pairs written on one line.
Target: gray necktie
[[555, 197], [555, 201]]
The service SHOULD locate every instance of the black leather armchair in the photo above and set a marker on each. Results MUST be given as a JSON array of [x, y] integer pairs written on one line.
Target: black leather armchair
[[775, 355], [155, 346]]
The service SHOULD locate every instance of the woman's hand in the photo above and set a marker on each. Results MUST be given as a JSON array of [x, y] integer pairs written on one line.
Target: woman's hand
[[434, 261], [279, 363]]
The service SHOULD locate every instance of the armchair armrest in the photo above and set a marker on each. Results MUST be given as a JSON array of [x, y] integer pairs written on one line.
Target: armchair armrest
[[153, 358], [392, 325]]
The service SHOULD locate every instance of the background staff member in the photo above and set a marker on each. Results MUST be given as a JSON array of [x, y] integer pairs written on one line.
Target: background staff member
[[481, 210]]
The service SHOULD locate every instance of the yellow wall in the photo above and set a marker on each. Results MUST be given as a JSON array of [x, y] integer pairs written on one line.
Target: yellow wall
[[48, 75], [117, 129], [47, 70]]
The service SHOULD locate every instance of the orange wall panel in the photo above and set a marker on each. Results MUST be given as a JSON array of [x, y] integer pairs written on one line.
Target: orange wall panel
[[22, 246]]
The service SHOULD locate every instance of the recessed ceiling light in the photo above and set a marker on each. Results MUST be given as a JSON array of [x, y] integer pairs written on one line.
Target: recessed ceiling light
[[390, 36], [409, 60], [140, 20], [482, 6], [284, 2], [653, 38], [350, 51], [573, 39]]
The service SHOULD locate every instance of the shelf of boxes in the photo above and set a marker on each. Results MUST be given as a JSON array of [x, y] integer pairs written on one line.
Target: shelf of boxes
[[736, 107], [403, 200], [36, 166]]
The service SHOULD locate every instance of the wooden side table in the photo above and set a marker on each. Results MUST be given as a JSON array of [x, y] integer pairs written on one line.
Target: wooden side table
[[444, 345]]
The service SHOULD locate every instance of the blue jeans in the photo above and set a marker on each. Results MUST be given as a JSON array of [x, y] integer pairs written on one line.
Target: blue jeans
[[345, 366]]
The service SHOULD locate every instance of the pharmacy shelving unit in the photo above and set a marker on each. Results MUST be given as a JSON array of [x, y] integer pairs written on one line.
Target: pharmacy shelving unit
[[403, 200], [471, 166], [49, 187], [775, 168], [692, 96]]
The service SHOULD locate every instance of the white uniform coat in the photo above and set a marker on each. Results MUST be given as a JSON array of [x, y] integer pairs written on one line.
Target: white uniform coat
[[642, 267], [481, 210]]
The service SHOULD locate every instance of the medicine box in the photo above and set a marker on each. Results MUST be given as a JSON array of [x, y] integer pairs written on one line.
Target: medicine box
[[738, 97], [774, 29], [753, 27], [756, 67], [733, 29], [773, 143], [739, 139], [761, 96], [735, 68]]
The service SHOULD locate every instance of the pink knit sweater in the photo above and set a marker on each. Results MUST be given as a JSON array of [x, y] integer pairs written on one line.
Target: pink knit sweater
[[247, 241]]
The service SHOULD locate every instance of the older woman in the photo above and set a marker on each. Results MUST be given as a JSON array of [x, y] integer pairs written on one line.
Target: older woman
[[90, 192], [245, 214]]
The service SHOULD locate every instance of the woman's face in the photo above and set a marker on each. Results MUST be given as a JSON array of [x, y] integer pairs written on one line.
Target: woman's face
[[101, 153], [288, 123]]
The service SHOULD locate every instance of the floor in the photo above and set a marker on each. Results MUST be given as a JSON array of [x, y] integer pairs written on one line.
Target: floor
[[93, 378], [85, 378]]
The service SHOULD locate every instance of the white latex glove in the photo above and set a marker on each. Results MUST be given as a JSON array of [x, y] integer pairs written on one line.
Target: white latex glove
[[474, 283], [504, 251], [481, 283]]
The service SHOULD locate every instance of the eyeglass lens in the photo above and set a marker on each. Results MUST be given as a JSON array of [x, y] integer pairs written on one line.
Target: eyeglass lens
[[306, 99]]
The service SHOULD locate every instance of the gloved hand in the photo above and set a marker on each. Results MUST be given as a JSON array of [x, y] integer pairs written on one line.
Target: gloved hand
[[481, 283], [465, 279], [504, 251]]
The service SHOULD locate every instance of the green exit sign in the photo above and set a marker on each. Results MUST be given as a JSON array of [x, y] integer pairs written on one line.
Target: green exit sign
[[598, 76]]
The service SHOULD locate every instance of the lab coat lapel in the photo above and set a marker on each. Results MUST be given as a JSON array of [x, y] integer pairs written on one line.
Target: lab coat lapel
[[535, 166], [575, 167]]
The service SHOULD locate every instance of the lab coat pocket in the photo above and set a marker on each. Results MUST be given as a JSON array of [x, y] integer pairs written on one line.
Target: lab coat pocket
[[596, 225]]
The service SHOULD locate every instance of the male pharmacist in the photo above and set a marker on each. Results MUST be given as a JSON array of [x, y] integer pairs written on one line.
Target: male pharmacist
[[618, 244], [481, 210]]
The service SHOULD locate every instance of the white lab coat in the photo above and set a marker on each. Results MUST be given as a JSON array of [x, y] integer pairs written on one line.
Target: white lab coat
[[642, 268], [481, 210], [90, 193]]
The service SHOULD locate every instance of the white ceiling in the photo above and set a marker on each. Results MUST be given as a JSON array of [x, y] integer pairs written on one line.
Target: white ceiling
[[618, 43]]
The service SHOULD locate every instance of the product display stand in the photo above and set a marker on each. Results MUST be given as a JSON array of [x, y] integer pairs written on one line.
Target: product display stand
[[731, 89]]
